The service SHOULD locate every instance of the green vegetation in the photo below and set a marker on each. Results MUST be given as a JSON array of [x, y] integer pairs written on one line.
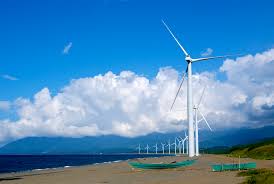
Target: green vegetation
[[258, 176], [263, 150], [216, 150]]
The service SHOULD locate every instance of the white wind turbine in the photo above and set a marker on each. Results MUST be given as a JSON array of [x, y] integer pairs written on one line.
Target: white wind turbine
[[187, 150], [169, 145], [180, 141], [196, 111], [175, 146], [163, 147], [139, 149], [184, 140], [189, 61], [156, 148], [147, 147]]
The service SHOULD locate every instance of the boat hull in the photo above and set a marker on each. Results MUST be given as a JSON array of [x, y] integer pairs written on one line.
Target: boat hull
[[161, 165]]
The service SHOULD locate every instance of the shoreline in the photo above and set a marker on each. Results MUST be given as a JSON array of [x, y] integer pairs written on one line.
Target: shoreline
[[88, 164], [120, 172]]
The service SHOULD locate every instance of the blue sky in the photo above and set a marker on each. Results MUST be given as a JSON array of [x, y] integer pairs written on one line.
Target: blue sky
[[44, 45], [115, 35]]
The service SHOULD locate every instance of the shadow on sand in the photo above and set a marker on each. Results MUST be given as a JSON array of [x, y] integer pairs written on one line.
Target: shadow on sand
[[10, 178]]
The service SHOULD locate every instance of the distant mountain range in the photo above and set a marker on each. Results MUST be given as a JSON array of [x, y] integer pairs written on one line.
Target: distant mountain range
[[117, 144]]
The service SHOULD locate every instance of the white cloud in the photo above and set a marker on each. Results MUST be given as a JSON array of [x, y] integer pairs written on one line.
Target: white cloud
[[67, 48], [207, 52], [9, 77], [5, 105], [130, 105]]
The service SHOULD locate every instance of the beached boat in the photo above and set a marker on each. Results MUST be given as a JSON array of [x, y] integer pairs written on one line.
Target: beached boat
[[232, 167], [140, 165]]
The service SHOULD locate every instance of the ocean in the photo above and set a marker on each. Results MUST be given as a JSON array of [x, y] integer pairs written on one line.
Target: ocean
[[16, 163]]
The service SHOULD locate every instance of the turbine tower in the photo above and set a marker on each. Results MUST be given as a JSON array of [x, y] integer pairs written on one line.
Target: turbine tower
[[196, 111], [189, 61]]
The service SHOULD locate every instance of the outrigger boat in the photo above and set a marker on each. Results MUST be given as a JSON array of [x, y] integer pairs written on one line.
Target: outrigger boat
[[140, 165], [233, 167]]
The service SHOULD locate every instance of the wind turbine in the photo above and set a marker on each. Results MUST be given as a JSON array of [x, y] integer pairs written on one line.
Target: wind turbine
[[139, 149], [147, 147], [163, 147], [187, 150], [189, 61], [175, 146], [156, 148], [196, 111], [184, 140], [169, 145], [180, 144]]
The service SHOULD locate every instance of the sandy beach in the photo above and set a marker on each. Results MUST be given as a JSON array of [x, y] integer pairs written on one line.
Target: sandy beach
[[122, 173]]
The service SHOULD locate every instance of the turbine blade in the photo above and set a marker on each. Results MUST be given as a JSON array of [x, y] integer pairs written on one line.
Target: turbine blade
[[183, 78], [213, 57], [200, 120], [175, 38], [201, 97], [205, 121]]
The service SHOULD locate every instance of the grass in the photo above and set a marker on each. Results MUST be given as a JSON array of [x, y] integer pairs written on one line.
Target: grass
[[262, 150], [258, 176]]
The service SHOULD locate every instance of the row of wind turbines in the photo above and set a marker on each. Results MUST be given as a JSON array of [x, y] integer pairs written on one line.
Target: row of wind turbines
[[178, 147], [179, 142]]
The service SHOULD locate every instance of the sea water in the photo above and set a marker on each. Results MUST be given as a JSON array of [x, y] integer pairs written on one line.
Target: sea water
[[16, 163]]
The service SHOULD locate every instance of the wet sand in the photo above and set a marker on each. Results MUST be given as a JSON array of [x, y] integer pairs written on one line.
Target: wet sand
[[122, 173]]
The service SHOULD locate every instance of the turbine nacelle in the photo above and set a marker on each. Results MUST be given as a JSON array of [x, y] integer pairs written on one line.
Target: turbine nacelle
[[188, 59]]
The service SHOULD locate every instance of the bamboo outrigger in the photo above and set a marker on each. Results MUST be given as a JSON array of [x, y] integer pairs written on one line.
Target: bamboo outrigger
[[233, 167]]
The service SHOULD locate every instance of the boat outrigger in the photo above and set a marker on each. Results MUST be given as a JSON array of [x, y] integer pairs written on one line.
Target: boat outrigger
[[140, 165]]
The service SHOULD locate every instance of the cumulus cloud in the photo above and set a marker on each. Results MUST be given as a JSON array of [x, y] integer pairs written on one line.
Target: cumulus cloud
[[5, 105], [9, 77], [130, 105], [207, 52], [254, 75], [67, 48]]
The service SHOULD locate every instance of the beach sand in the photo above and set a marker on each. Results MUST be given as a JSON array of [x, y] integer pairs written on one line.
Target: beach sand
[[122, 173]]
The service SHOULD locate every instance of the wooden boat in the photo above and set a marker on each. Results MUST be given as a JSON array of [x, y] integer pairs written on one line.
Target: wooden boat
[[232, 167], [140, 165]]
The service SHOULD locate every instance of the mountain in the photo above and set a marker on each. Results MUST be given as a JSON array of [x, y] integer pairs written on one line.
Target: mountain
[[236, 136], [117, 144], [260, 150]]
